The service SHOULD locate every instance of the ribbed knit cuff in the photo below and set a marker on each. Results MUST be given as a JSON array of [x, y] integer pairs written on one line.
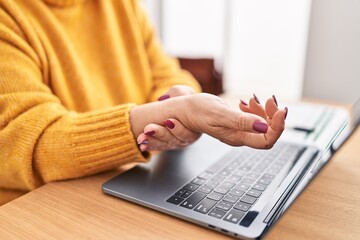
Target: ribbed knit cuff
[[103, 140]]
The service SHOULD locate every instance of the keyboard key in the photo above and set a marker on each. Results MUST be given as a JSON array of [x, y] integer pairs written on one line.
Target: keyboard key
[[253, 193], [259, 170], [180, 192], [224, 206], [259, 186], [227, 184], [231, 198], [218, 178], [218, 213], [205, 206], [242, 186], [234, 216], [229, 168], [242, 206], [215, 196], [175, 200], [194, 199], [237, 192], [212, 184], [268, 176], [225, 172], [186, 194], [234, 178], [245, 168], [253, 175], [264, 181], [248, 199], [249, 218], [240, 173], [272, 171], [191, 187], [205, 189], [198, 181], [248, 181], [205, 175], [222, 190]]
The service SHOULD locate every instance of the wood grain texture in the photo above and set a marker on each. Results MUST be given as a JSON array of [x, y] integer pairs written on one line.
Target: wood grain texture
[[329, 208]]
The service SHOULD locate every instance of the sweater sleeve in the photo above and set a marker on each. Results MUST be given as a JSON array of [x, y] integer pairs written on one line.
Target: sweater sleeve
[[41, 140], [166, 70]]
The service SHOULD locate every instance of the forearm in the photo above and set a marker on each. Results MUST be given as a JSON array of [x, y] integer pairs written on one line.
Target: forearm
[[187, 109]]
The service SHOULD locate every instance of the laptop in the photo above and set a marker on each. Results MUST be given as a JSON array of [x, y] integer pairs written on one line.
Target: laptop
[[238, 191]]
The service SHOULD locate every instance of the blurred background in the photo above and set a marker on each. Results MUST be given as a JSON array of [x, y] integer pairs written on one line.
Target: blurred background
[[293, 49]]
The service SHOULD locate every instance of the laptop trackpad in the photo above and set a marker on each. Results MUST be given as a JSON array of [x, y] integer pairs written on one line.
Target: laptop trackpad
[[169, 170]]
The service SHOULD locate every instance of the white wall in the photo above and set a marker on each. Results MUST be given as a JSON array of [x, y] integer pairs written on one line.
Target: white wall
[[193, 28], [333, 59], [267, 46], [260, 43], [154, 13]]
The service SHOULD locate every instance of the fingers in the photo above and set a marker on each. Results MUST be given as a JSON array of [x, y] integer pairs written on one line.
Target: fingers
[[253, 107], [275, 119], [170, 136], [179, 131], [267, 140], [271, 107], [176, 91], [245, 122]]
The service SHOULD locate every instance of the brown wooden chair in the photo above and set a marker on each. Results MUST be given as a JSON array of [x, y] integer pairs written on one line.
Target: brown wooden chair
[[203, 69]]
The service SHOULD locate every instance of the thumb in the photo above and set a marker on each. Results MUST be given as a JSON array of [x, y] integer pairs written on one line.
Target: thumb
[[247, 122]]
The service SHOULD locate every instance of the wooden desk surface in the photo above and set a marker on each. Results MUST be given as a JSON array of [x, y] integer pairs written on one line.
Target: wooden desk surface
[[328, 209]]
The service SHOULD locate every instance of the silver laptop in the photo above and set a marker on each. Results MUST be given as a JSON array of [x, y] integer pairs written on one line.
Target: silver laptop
[[238, 191]]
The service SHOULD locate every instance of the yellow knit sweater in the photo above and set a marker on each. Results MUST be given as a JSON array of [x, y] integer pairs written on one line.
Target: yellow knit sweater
[[70, 70]]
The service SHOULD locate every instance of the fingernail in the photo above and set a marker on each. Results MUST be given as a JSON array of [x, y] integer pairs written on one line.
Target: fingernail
[[163, 97], [145, 141], [260, 126], [256, 98], [243, 102], [145, 149], [286, 112], [273, 96], [169, 124], [150, 133]]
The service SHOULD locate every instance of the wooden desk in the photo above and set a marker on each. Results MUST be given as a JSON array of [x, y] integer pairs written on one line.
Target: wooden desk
[[328, 209]]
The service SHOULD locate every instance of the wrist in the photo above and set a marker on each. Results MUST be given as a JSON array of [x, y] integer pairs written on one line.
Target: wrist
[[154, 112]]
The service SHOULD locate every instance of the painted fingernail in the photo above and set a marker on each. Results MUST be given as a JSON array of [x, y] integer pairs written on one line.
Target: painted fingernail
[[256, 98], [169, 124], [286, 112], [150, 133], [273, 96], [260, 126], [145, 141], [163, 97], [244, 103]]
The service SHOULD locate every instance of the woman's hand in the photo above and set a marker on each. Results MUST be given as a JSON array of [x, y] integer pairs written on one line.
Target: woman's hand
[[254, 126], [172, 134], [270, 114], [205, 113]]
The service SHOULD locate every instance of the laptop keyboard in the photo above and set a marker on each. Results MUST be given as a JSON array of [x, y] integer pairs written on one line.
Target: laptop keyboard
[[228, 192]]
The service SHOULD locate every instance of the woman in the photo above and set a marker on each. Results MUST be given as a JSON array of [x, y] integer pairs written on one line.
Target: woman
[[79, 80]]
